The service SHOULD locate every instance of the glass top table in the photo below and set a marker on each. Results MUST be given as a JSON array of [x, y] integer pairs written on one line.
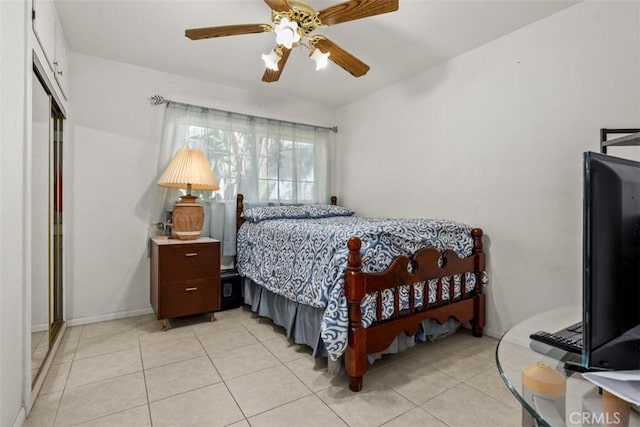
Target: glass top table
[[550, 394]]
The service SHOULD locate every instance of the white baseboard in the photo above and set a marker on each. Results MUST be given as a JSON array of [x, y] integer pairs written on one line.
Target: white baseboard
[[20, 418], [489, 332], [40, 327], [110, 316], [492, 333]]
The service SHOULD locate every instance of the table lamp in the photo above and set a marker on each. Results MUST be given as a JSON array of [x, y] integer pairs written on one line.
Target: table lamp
[[190, 170]]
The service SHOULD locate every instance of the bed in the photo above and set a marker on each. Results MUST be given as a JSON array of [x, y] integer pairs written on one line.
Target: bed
[[353, 287]]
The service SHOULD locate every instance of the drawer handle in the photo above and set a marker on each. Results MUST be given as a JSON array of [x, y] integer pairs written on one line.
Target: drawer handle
[[191, 254], [190, 289]]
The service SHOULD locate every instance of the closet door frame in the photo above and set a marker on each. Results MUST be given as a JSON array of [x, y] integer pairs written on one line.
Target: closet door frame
[[56, 332]]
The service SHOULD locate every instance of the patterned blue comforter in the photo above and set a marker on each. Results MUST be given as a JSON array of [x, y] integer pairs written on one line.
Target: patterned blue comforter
[[305, 261]]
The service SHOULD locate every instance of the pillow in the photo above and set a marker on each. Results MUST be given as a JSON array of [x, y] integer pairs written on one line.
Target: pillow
[[325, 211], [260, 204], [263, 213]]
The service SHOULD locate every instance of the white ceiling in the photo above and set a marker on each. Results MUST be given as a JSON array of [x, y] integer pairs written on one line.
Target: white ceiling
[[421, 34]]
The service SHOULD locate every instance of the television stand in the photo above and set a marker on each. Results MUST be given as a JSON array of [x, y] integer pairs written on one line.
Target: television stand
[[514, 353]]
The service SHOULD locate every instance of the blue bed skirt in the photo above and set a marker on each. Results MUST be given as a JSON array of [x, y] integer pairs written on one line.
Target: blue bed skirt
[[302, 322]]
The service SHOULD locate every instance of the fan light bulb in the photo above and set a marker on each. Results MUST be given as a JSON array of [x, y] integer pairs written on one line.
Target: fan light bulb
[[321, 59], [271, 60], [287, 33]]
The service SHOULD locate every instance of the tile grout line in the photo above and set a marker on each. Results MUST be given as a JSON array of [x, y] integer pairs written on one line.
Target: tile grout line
[[435, 416], [144, 376], [175, 361], [117, 376], [486, 394], [106, 416], [222, 379], [108, 352], [103, 379], [399, 415], [314, 393], [64, 388], [280, 406]]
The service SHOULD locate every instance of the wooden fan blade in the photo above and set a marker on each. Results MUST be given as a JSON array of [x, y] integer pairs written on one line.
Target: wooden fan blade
[[356, 9], [342, 58], [226, 30], [271, 76], [278, 5]]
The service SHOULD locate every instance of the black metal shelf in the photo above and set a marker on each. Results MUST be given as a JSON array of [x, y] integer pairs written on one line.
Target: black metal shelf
[[632, 137]]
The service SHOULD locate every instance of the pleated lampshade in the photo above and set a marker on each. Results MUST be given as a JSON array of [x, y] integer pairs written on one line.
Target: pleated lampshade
[[190, 170]]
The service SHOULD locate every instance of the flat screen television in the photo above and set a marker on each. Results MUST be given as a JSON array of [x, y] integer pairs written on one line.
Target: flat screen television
[[611, 259]]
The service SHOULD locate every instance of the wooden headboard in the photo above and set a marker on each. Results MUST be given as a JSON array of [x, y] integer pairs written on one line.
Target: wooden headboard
[[240, 208]]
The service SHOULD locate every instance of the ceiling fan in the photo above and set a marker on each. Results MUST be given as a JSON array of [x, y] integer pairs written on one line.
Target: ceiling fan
[[294, 22]]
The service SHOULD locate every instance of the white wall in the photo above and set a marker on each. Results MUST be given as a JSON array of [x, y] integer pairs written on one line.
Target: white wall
[[13, 78], [494, 138], [114, 134]]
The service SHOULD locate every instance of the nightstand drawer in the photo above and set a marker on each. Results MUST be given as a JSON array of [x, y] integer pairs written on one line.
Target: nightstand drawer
[[189, 296], [184, 262]]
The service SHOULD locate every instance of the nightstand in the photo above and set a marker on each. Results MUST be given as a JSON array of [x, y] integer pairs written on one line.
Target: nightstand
[[185, 277]]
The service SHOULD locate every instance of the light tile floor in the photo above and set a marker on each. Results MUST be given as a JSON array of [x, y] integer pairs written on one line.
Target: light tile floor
[[39, 349], [242, 371]]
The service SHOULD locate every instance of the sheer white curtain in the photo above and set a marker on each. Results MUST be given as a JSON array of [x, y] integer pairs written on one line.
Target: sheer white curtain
[[269, 161]]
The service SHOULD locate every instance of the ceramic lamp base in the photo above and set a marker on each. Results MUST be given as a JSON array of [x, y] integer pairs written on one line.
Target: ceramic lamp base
[[188, 218]]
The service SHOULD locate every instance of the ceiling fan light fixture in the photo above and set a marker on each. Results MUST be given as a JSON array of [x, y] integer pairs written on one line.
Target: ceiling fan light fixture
[[287, 33], [295, 23], [321, 59], [271, 60]]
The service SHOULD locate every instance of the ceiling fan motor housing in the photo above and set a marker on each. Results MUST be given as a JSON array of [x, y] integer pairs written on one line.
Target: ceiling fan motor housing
[[302, 13]]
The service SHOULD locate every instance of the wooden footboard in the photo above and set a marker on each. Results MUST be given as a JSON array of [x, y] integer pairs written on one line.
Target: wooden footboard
[[465, 307]]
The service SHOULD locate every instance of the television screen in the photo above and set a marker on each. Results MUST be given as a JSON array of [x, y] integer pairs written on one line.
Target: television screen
[[611, 277]]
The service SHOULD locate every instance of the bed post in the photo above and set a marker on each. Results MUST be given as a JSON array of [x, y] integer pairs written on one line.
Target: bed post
[[239, 209], [355, 361], [334, 200], [478, 269]]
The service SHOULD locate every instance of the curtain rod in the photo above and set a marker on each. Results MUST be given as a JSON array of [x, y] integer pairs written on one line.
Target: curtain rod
[[159, 99]]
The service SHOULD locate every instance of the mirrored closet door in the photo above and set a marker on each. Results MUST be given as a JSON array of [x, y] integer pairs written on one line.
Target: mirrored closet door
[[46, 223]]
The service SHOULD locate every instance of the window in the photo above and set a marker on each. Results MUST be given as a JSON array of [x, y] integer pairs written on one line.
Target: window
[[229, 154], [285, 170], [267, 160]]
